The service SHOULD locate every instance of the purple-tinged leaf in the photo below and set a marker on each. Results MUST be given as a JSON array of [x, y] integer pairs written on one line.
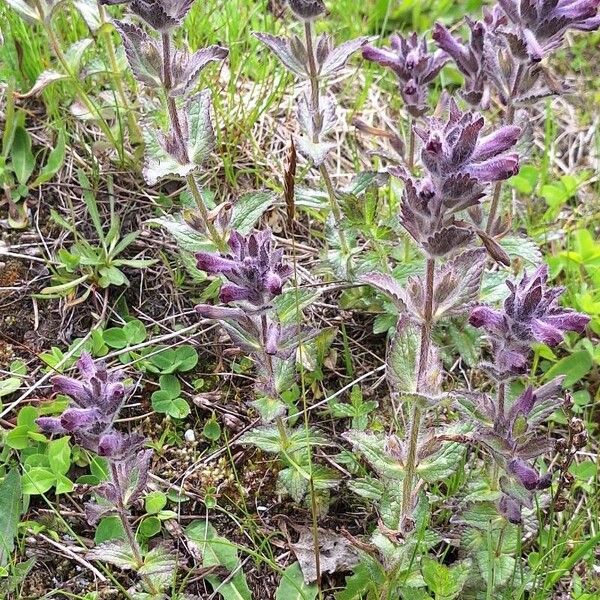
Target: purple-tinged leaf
[[337, 58], [457, 284], [388, 285], [143, 54], [188, 67], [291, 52]]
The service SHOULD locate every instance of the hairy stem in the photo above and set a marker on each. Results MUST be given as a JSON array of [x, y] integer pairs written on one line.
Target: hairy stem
[[410, 160], [216, 238], [416, 416], [501, 400], [316, 101], [137, 551], [131, 539]]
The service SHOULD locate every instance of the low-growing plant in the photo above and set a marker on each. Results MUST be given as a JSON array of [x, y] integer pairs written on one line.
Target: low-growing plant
[[92, 265], [316, 62], [18, 163], [97, 398], [452, 471]]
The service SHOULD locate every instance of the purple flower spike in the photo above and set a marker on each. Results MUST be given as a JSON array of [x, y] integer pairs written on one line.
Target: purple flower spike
[[75, 419], [459, 163], [307, 9], [413, 64], [162, 15], [530, 314], [455, 146], [539, 26], [254, 269], [97, 398], [50, 425]]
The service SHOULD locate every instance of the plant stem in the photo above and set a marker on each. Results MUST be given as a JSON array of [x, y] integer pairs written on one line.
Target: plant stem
[[216, 238], [415, 419], [133, 543], [316, 101], [135, 133], [509, 117], [501, 400], [410, 161], [137, 551]]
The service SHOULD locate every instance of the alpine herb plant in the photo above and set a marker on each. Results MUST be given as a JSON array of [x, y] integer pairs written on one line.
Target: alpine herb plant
[[315, 61], [157, 64], [462, 155], [97, 397], [255, 274], [456, 159]]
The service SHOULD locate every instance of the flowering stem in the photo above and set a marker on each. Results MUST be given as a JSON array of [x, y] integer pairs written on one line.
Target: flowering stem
[[415, 419], [501, 400], [133, 543], [315, 96], [410, 161], [137, 551], [216, 238]]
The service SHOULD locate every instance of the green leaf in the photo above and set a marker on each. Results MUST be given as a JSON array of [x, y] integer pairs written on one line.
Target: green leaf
[[445, 582], [187, 358], [115, 337], [402, 357], [575, 367], [90, 202], [249, 209], [163, 402], [75, 52], [218, 551], [212, 430], [59, 456], [503, 567], [89, 11], [293, 587], [10, 511], [155, 502], [201, 133], [158, 162], [170, 385], [23, 160], [159, 567], [55, 161], [24, 10], [18, 438], [149, 527], [372, 448], [187, 238], [135, 332], [115, 552], [291, 481], [109, 528], [63, 485], [9, 386], [38, 481]]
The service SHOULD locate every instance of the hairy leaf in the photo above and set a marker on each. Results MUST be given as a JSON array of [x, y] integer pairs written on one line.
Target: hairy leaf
[[115, 552]]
